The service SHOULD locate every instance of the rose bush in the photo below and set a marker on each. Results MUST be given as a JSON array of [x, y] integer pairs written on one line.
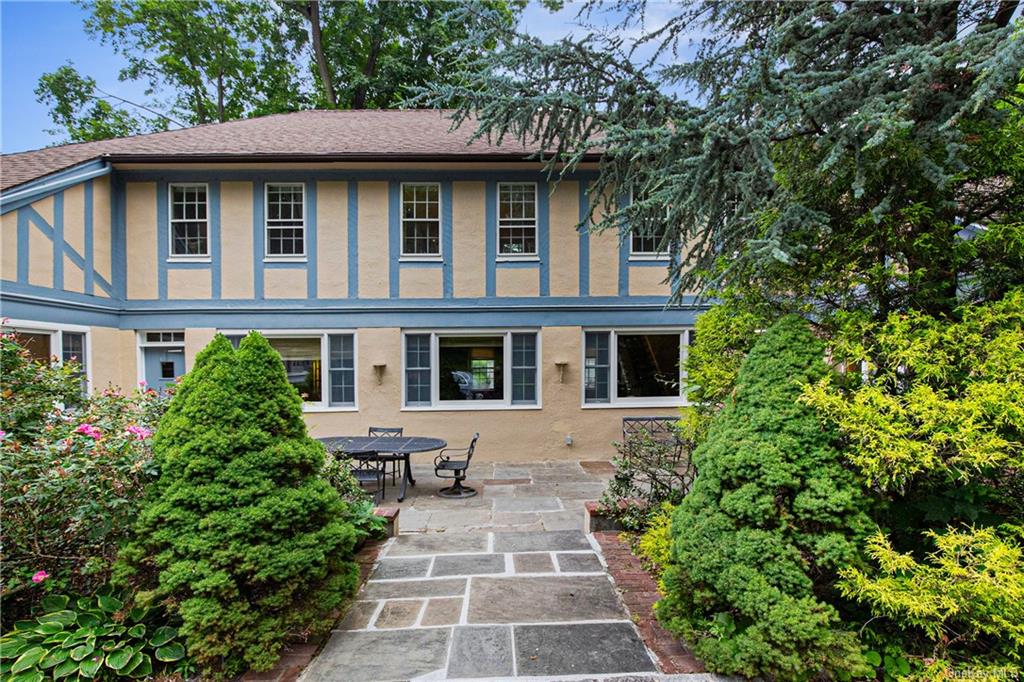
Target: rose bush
[[70, 480]]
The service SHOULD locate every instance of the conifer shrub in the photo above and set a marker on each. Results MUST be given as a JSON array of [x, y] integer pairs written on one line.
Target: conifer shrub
[[240, 537], [771, 518]]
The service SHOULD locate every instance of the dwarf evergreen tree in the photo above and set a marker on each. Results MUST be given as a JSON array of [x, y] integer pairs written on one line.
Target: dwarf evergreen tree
[[770, 519], [240, 538]]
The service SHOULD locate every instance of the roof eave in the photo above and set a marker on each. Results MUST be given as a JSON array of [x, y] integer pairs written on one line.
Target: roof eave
[[489, 157]]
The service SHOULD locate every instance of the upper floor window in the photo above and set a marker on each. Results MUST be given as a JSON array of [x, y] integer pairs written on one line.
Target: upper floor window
[[190, 227], [286, 219], [649, 243], [517, 219], [421, 219]]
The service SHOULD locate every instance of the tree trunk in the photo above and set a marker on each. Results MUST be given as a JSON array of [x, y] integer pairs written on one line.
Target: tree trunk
[[359, 96], [311, 10]]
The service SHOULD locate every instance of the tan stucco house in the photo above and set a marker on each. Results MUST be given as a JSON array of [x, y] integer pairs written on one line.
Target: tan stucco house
[[406, 277]]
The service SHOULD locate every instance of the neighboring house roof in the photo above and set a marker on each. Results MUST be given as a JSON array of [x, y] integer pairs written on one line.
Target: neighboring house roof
[[336, 135]]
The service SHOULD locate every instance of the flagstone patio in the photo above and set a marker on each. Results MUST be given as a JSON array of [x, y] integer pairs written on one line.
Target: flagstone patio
[[502, 585]]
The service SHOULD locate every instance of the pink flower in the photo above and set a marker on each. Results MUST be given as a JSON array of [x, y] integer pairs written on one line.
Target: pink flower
[[40, 576], [142, 383], [89, 430], [3, 434], [140, 432]]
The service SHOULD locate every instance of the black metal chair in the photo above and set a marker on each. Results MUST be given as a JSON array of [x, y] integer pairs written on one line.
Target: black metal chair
[[384, 432], [453, 463], [367, 467]]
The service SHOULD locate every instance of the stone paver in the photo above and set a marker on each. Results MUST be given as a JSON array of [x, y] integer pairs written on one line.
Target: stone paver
[[533, 563], [481, 652], [389, 569], [468, 564], [498, 586], [580, 649], [543, 599]]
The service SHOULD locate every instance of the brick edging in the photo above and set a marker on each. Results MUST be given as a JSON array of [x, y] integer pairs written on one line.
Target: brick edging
[[639, 592]]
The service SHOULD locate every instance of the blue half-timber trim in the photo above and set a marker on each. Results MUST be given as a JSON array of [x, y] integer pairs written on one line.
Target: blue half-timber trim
[[543, 231], [301, 175], [491, 236], [162, 236], [29, 216], [584, 231], [118, 237], [353, 239], [55, 182], [257, 238], [447, 242], [90, 258], [213, 239], [623, 201], [394, 236], [23, 254], [311, 252], [58, 240]]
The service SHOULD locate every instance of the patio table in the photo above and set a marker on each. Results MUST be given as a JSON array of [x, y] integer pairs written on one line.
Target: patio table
[[400, 445]]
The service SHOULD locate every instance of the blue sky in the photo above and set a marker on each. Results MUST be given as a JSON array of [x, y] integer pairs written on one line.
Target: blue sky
[[37, 37]]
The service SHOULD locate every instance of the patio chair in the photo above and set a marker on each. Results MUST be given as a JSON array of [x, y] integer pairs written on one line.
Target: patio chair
[[388, 431], [453, 463], [367, 468]]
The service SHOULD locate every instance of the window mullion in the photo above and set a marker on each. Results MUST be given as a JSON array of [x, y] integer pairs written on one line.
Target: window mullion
[[613, 367]]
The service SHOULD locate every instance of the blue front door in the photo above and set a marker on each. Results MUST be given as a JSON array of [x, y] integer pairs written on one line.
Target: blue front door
[[163, 366]]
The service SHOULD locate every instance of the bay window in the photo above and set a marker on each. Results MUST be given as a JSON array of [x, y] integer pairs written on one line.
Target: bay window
[[470, 370], [634, 367]]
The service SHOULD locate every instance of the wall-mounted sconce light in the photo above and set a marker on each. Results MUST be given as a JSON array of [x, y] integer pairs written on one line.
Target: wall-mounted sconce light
[[378, 369], [561, 365]]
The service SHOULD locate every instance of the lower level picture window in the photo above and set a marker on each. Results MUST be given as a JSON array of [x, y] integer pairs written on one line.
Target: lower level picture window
[[467, 369], [633, 367], [321, 367]]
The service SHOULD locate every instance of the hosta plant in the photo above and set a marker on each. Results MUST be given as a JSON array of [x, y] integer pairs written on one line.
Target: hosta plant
[[90, 638]]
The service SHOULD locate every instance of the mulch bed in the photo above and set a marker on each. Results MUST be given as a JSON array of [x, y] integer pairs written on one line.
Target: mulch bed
[[639, 592], [297, 655]]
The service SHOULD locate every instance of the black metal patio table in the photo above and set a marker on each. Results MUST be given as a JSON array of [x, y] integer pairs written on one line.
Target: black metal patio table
[[399, 445]]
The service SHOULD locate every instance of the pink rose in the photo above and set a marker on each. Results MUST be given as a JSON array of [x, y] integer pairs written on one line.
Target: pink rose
[[40, 576], [140, 432], [89, 430]]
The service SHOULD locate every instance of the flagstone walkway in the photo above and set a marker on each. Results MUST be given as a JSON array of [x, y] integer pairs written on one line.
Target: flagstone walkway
[[485, 600]]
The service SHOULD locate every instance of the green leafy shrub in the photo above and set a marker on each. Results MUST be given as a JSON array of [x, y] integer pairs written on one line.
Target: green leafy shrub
[[71, 481], [338, 472], [972, 584], [655, 545], [30, 389], [90, 638], [240, 537], [771, 518], [648, 472]]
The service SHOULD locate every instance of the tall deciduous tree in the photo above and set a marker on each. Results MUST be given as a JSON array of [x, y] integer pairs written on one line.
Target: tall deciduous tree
[[831, 143], [368, 53]]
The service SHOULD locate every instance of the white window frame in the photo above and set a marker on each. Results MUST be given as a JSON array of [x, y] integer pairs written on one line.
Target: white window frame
[[420, 257], [438, 405], [646, 255], [324, 404], [613, 368], [56, 332], [513, 257], [186, 257], [288, 257]]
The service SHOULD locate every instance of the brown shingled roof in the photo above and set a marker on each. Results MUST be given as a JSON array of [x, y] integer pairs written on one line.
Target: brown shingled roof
[[389, 134]]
